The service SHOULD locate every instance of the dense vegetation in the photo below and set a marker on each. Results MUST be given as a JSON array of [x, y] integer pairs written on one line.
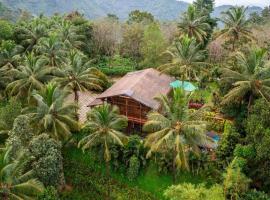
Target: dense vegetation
[[47, 153]]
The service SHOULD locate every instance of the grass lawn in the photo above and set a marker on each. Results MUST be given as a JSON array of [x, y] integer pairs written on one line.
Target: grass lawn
[[149, 185]]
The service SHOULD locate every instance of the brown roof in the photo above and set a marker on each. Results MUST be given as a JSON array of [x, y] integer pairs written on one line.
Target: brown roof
[[143, 86]]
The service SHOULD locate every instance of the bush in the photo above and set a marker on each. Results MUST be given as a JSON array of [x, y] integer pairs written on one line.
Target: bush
[[134, 167], [227, 144], [255, 195], [188, 191], [50, 193], [47, 160], [116, 66]]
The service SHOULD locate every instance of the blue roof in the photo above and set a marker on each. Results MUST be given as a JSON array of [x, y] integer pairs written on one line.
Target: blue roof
[[187, 86]]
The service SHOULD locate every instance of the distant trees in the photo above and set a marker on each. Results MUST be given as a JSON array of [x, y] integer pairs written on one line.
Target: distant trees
[[137, 16], [153, 44]]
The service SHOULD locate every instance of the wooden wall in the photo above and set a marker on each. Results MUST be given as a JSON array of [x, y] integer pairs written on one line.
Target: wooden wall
[[134, 110]]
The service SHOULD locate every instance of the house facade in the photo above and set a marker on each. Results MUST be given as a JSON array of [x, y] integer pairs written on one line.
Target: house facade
[[135, 94]]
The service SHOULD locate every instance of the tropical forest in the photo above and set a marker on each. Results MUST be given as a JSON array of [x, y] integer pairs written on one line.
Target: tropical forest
[[134, 100]]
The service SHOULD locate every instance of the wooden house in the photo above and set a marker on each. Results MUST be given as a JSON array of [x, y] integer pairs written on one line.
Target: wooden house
[[134, 95]]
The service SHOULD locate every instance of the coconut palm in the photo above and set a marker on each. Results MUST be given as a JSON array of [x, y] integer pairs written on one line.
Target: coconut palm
[[236, 25], [9, 53], [105, 124], [250, 79], [52, 115], [70, 35], [194, 25], [175, 130], [78, 75], [31, 75], [16, 183], [30, 34], [52, 48], [186, 59]]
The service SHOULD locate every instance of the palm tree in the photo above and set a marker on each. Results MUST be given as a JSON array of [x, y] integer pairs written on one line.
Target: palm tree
[[70, 35], [30, 34], [16, 183], [194, 25], [52, 48], [175, 130], [251, 79], [187, 59], [105, 125], [30, 76], [236, 25], [77, 75], [9, 53], [52, 114]]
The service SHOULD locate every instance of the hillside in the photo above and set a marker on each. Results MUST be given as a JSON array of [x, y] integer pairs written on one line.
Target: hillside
[[161, 9]]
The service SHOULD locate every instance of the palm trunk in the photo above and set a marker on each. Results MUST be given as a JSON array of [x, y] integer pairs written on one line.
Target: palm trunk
[[174, 166], [249, 103], [76, 99], [108, 176]]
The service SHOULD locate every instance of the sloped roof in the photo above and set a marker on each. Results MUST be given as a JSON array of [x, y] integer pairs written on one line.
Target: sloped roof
[[143, 86]]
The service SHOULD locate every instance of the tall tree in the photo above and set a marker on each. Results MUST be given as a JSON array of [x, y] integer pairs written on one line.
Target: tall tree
[[186, 59], [194, 25], [251, 79], [105, 124], [52, 115], [175, 130], [137, 16], [78, 75], [236, 25], [153, 45]]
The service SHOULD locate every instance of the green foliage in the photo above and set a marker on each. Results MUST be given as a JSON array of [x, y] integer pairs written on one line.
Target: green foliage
[[236, 26], [172, 129], [186, 59], [137, 16], [51, 114], [153, 45], [116, 65], [235, 181], [187, 191], [133, 169], [50, 193], [6, 30], [255, 195], [16, 178], [229, 139], [47, 160], [8, 114], [20, 135]]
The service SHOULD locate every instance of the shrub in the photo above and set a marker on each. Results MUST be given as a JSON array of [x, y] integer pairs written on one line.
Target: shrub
[[134, 167], [47, 160], [188, 191], [255, 195], [50, 193], [227, 144]]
